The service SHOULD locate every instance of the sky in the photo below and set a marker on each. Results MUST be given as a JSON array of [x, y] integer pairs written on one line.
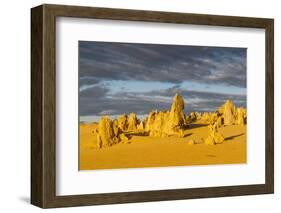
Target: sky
[[120, 78]]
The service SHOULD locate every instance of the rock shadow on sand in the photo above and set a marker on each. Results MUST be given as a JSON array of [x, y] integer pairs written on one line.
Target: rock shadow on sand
[[187, 135], [193, 126], [234, 136], [130, 134]]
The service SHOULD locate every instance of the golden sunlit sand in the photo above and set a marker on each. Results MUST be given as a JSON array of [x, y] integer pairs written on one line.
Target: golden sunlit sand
[[146, 151], [165, 138]]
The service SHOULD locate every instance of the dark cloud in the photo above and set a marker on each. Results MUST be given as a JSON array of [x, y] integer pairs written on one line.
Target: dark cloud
[[88, 81], [95, 92], [164, 63], [102, 62], [119, 106], [142, 103], [191, 94]]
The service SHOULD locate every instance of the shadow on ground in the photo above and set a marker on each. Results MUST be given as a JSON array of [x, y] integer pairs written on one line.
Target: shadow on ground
[[193, 126], [234, 136]]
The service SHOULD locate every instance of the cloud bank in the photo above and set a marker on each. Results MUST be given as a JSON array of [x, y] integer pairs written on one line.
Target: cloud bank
[[117, 78]]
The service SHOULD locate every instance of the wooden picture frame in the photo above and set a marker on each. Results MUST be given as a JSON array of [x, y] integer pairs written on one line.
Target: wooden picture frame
[[43, 105]]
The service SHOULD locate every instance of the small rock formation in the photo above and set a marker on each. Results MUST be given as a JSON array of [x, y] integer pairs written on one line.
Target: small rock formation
[[132, 122], [140, 126], [108, 133], [193, 116], [198, 115], [214, 136], [210, 117], [241, 116], [105, 134], [149, 120], [205, 117], [155, 123], [123, 122], [232, 115], [219, 122], [123, 138], [228, 111]]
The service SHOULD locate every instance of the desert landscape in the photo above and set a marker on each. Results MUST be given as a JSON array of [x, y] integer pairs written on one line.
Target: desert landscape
[[165, 138]]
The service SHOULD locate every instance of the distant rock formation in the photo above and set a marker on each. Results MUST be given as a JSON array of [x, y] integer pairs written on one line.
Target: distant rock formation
[[193, 116], [205, 117], [226, 115], [228, 111], [232, 115], [132, 122], [140, 126], [241, 116], [123, 122]]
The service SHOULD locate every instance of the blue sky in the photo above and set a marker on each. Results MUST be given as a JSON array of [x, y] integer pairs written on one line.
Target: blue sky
[[118, 78]]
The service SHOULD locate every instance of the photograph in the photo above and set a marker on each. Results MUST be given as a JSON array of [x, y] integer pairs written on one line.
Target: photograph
[[170, 105], [161, 105]]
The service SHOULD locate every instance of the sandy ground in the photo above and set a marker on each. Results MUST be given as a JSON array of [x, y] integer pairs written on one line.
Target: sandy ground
[[145, 151]]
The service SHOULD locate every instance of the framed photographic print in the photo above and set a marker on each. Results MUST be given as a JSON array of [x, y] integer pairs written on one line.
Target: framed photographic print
[[136, 106]]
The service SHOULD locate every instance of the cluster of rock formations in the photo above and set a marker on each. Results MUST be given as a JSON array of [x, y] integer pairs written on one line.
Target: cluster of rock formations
[[109, 133], [226, 115], [232, 115], [169, 123]]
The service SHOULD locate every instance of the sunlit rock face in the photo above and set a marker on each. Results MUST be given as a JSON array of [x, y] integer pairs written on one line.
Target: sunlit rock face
[[177, 117], [106, 135], [109, 133], [232, 115], [241, 116], [229, 113], [156, 123], [123, 122], [166, 123], [214, 137], [219, 122]]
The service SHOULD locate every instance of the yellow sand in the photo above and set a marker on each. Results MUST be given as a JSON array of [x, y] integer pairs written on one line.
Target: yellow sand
[[145, 151]]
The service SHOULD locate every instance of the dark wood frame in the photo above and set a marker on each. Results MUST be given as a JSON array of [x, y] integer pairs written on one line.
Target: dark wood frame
[[43, 105]]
